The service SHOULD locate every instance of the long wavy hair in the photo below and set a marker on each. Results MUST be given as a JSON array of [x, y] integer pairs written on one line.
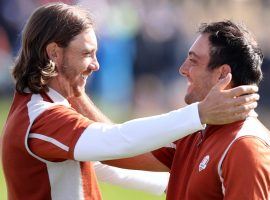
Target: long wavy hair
[[56, 22]]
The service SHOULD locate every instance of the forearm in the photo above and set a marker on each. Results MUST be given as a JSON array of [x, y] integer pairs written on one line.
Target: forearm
[[146, 162], [152, 182], [86, 107], [219, 107], [105, 142]]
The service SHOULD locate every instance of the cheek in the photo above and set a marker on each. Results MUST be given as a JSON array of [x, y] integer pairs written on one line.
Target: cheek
[[83, 64], [198, 85], [207, 83], [202, 81], [77, 66], [194, 72], [86, 60], [70, 70]]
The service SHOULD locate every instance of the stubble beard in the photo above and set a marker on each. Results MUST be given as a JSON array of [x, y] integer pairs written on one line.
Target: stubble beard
[[191, 98], [69, 75]]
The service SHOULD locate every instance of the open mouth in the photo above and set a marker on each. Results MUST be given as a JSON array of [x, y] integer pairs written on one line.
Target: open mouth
[[189, 85], [84, 76]]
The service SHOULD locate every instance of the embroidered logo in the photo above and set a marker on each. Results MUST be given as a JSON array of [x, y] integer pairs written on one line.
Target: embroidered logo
[[204, 162]]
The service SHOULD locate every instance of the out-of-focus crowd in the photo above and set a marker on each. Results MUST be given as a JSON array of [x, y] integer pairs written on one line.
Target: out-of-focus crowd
[[141, 46]]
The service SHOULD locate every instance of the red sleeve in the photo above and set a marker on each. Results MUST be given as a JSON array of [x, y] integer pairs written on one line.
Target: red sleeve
[[165, 155], [246, 170], [55, 133]]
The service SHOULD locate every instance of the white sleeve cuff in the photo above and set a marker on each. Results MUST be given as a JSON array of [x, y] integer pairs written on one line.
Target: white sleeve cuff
[[197, 119], [151, 182], [106, 142]]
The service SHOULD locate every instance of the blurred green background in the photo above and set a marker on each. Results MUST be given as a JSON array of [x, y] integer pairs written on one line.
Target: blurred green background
[[109, 192], [4, 107]]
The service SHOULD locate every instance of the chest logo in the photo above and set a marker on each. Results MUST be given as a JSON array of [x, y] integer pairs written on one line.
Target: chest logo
[[204, 162]]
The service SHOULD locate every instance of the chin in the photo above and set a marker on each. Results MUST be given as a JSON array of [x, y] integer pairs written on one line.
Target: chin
[[189, 99]]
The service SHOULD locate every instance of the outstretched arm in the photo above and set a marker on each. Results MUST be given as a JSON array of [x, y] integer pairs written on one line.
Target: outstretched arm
[[86, 107], [152, 182], [220, 106], [146, 162]]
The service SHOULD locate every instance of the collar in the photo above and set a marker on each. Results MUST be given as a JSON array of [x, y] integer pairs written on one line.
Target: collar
[[57, 98], [54, 96], [210, 129]]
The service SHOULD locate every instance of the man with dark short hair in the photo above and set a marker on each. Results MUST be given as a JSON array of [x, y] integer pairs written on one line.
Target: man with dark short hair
[[47, 144], [229, 161]]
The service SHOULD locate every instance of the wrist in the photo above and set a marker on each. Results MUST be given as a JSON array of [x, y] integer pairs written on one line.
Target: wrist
[[202, 112]]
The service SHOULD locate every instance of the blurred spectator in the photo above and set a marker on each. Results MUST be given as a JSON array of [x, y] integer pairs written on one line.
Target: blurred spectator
[[116, 31], [13, 14], [5, 63], [158, 41]]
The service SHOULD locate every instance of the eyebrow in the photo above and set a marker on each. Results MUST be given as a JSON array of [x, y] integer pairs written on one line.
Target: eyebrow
[[192, 53], [89, 50]]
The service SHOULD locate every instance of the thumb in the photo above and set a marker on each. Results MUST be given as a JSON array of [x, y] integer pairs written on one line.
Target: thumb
[[223, 83]]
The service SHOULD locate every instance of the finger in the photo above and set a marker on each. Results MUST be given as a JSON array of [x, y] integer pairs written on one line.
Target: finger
[[244, 115], [223, 83], [245, 108], [248, 98], [239, 116], [241, 90]]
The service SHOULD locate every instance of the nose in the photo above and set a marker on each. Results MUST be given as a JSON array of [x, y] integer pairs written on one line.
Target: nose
[[183, 69], [94, 66]]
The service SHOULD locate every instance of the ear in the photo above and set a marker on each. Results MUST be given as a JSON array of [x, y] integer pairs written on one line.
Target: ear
[[55, 53], [224, 70], [51, 50]]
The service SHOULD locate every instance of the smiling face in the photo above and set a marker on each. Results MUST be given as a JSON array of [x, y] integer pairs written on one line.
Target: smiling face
[[200, 78], [79, 58], [74, 63]]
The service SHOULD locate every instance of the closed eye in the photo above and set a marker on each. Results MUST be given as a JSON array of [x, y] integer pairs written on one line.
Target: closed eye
[[89, 53], [192, 61]]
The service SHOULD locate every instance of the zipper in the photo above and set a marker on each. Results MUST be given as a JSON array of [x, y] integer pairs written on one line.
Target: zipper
[[201, 139]]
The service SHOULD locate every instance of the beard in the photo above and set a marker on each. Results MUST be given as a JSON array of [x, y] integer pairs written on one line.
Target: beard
[[72, 82], [189, 99], [193, 97]]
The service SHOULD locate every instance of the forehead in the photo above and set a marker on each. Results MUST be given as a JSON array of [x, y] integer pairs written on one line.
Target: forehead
[[87, 40], [200, 48]]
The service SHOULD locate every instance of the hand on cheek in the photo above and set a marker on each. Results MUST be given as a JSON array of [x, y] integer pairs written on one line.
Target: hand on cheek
[[78, 90]]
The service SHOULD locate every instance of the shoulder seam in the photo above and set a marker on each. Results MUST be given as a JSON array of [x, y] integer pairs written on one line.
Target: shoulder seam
[[238, 137], [36, 106]]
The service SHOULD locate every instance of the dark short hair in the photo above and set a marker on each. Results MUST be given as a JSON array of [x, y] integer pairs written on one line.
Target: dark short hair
[[234, 45], [56, 22]]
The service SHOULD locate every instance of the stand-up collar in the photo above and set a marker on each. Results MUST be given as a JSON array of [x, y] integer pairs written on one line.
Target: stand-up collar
[[57, 98]]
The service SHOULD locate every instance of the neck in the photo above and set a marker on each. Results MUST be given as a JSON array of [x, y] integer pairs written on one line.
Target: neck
[[56, 85]]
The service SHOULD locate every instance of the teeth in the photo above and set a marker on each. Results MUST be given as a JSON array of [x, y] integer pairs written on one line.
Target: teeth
[[84, 77]]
